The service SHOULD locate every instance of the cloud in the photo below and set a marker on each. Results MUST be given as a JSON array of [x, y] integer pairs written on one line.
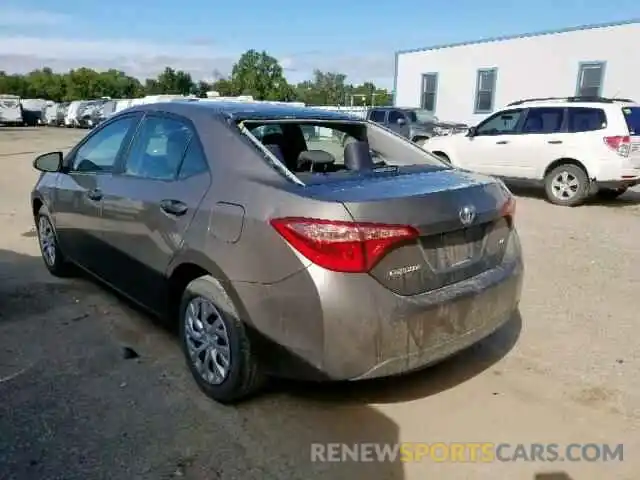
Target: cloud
[[200, 57], [13, 17]]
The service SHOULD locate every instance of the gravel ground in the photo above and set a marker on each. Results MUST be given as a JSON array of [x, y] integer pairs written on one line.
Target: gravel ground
[[73, 407]]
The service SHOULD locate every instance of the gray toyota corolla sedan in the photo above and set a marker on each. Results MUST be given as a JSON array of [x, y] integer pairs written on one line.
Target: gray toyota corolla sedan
[[281, 253]]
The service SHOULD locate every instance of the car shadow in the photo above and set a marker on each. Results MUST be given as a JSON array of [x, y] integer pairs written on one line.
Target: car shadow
[[420, 384], [631, 197], [552, 476], [154, 398]]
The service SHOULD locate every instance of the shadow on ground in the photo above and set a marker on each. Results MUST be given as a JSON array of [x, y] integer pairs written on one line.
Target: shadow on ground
[[74, 407], [631, 197], [552, 476]]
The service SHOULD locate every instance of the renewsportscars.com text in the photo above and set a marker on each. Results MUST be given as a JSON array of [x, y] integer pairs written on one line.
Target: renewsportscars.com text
[[467, 452]]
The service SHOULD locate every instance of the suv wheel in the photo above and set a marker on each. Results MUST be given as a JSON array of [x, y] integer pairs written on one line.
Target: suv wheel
[[611, 193], [567, 185], [215, 343]]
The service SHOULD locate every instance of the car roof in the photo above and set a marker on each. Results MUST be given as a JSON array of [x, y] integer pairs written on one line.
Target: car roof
[[404, 109], [247, 110], [552, 103]]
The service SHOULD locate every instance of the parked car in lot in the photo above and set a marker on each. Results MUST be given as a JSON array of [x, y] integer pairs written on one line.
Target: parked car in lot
[[33, 111], [573, 146], [279, 260], [89, 113], [416, 124]]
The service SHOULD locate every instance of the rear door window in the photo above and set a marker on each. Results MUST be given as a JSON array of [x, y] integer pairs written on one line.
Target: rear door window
[[584, 119], [544, 120], [158, 149], [632, 117]]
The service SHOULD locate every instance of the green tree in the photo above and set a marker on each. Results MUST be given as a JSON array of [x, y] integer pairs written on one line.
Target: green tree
[[256, 73], [175, 82], [259, 75]]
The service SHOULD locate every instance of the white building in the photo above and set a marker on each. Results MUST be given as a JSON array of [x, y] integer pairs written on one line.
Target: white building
[[467, 81]]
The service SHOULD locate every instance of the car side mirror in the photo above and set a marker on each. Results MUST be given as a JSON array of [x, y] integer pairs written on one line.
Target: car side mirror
[[401, 121], [48, 162], [472, 132]]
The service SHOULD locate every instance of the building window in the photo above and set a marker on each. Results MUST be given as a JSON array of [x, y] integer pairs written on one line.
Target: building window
[[485, 90], [590, 76], [429, 91]]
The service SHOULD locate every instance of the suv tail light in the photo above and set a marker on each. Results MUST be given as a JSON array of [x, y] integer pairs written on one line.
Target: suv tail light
[[342, 246], [621, 144]]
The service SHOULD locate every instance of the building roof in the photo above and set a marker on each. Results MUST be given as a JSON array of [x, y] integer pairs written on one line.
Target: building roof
[[503, 38], [522, 35]]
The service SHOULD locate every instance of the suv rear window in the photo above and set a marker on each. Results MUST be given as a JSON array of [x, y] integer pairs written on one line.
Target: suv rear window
[[584, 119], [632, 116]]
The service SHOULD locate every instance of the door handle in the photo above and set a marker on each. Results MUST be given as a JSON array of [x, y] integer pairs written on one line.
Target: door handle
[[173, 207], [502, 142], [554, 142], [95, 194]]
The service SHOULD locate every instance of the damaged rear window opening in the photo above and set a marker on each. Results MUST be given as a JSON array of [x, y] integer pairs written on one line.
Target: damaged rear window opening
[[320, 151]]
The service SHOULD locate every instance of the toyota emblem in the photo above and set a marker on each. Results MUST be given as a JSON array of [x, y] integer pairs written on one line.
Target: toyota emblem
[[467, 214]]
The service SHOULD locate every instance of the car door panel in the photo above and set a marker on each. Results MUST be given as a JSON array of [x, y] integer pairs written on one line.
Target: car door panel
[[78, 201], [145, 219], [490, 150], [541, 140]]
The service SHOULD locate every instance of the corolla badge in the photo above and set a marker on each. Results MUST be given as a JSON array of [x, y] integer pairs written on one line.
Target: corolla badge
[[467, 214]]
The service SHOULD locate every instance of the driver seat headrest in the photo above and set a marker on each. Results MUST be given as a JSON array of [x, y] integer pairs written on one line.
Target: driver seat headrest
[[357, 156]]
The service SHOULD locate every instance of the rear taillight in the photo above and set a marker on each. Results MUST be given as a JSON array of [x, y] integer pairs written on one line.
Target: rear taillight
[[342, 246], [621, 144]]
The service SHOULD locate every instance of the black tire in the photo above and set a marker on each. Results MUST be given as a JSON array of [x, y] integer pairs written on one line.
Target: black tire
[[611, 193], [60, 266], [244, 377], [576, 176]]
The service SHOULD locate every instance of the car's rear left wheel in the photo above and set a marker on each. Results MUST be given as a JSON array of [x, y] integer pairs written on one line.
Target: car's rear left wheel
[[215, 343], [54, 259], [567, 185]]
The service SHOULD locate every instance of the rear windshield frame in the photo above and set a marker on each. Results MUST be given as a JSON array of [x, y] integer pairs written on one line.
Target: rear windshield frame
[[246, 125], [632, 119]]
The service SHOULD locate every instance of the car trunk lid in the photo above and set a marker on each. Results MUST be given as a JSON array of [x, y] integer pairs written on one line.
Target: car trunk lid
[[460, 217]]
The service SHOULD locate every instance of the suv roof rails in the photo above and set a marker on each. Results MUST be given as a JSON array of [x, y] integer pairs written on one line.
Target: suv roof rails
[[573, 99]]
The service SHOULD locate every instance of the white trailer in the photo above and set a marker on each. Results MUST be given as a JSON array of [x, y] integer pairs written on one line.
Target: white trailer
[[10, 110]]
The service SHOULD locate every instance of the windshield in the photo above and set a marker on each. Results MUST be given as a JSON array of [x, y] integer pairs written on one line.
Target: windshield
[[421, 116], [632, 116]]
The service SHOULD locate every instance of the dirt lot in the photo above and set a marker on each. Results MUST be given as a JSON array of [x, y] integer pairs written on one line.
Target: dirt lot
[[73, 407]]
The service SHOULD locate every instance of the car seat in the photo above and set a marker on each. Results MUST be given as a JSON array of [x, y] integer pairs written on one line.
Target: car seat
[[357, 156]]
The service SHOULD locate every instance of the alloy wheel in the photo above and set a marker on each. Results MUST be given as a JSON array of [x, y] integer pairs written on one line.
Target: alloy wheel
[[565, 185], [47, 238], [207, 340]]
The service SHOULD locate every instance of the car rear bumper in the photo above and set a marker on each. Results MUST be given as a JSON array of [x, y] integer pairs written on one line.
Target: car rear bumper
[[323, 325]]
